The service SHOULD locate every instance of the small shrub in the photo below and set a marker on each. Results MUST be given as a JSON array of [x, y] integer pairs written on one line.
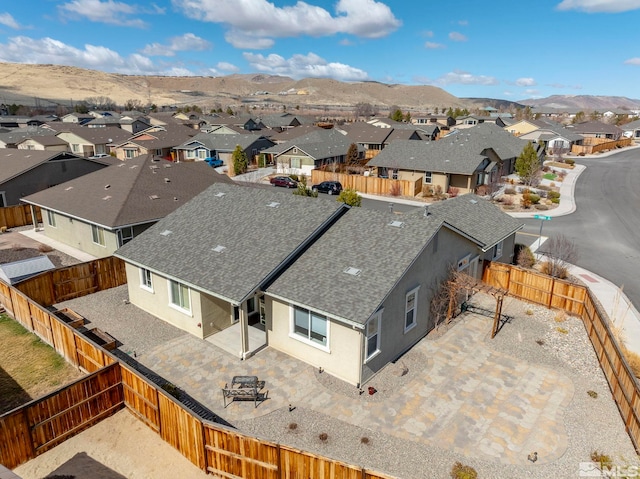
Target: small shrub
[[509, 191], [364, 440], [507, 200], [602, 460], [482, 190], [592, 394], [529, 312], [323, 436], [294, 177], [542, 207], [633, 360], [544, 188], [582, 153], [525, 202], [525, 258], [535, 199], [562, 330], [453, 191], [547, 268], [395, 189], [571, 161], [45, 248], [171, 389], [540, 342], [553, 194], [462, 471], [562, 175], [509, 207], [293, 426]]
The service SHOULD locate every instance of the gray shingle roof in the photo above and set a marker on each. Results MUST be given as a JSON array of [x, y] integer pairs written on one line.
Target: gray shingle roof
[[361, 239], [131, 185], [14, 162], [223, 143], [318, 144], [590, 127], [477, 218], [257, 238]]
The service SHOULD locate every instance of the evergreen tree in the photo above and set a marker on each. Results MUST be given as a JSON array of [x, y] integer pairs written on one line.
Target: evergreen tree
[[528, 164], [240, 161]]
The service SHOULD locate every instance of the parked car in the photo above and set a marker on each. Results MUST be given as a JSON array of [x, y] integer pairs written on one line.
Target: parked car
[[328, 187], [283, 181], [99, 155], [214, 162]]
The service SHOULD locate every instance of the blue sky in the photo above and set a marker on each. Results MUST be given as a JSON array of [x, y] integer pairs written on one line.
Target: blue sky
[[471, 48]]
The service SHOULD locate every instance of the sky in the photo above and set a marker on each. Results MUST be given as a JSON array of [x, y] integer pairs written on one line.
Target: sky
[[507, 49]]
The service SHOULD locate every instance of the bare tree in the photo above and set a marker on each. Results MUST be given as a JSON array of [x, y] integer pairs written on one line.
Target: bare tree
[[364, 110], [448, 294], [561, 253]]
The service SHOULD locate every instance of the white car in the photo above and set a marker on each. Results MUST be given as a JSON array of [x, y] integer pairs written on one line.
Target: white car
[[100, 155]]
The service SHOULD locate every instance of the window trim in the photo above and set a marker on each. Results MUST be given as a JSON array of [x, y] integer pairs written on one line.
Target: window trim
[[172, 304], [414, 323], [378, 318], [98, 231], [122, 237], [143, 280], [430, 180], [306, 340], [498, 250], [51, 218]]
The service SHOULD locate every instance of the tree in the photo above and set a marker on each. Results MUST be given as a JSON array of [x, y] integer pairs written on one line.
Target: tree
[[407, 117], [528, 164], [364, 110], [561, 253], [595, 115], [229, 111], [81, 107], [240, 161], [352, 154], [133, 104], [578, 117], [350, 197], [436, 111], [397, 115]]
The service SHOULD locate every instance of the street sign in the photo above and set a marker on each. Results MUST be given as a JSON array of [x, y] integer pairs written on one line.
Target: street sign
[[542, 217]]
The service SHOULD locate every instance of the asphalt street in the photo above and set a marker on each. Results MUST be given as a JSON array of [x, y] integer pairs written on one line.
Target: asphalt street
[[606, 224]]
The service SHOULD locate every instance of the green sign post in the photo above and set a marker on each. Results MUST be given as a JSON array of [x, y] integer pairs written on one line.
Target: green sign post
[[543, 218]]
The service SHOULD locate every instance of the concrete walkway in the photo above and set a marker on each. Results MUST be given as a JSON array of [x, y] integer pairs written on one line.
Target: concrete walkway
[[38, 235]]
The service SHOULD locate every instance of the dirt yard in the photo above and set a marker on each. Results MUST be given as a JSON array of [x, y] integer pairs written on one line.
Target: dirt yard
[[22, 380], [120, 447]]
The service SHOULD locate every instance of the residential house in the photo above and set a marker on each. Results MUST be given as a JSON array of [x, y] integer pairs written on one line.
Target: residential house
[[631, 129], [597, 129], [79, 118], [373, 139], [302, 154], [159, 141], [90, 141], [49, 143], [126, 123], [102, 211], [237, 266], [557, 140], [11, 138], [445, 121], [289, 134], [23, 172], [522, 127], [211, 145], [463, 160]]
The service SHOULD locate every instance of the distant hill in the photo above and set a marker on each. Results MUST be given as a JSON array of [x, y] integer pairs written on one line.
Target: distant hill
[[584, 102], [64, 85], [502, 105]]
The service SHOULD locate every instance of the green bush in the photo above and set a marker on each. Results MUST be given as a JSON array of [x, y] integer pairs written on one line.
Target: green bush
[[350, 197], [570, 161], [294, 177], [553, 195], [535, 199], [461, 471], [262, 162]]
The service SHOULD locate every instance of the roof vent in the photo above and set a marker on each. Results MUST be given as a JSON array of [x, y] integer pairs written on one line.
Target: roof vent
[[273, 204], [106, 187], [154, 167], [175, 198], [397, 224], [426, 210], [133, 167], [68, 188], [219, 249], [473, 202], [153, 197], [166, 233], [167, 166], [167, 180], [353, 271], [219, 194], [107, 197]]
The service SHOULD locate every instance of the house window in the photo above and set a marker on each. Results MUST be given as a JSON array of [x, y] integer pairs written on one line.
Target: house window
[[75, 147], [159, 152], [410, 309], [202, 154], [372, 332], [295, 162], [497, 250], [129, 153], [394, 174], [145, 279], [51, 218], [310, 327], [125, 235], [427, 177], [3, 199], [179, 296], [97, 235]]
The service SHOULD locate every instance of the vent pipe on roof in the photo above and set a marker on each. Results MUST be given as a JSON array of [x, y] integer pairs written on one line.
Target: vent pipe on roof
[[390, 207], [426, 210]]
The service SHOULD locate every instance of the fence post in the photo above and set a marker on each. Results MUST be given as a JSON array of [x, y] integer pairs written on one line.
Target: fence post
[[553, 285]]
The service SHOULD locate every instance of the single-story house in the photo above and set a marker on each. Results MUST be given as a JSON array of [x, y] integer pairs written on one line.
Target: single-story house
[[631, 129], [554, 139], [24, 172], [597, 129], [321, 290], [90, 141], [159, 141], [11, 137], [210, 145], [102, 211], [373, 139], [44, 142]]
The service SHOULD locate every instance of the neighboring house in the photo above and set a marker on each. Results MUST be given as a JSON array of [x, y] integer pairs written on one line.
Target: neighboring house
[[319, 289], [210, 145], [102, 211], [291, 133], [597, 129], [79, 118], [522, 127], [555, 139], [373, 139], [159, 141], [48, 143], [315, 150], [631, 130], [24, 172], [87, 142], [16, 271], [439, 120], [11, 138], [131, 125], [463, 160]]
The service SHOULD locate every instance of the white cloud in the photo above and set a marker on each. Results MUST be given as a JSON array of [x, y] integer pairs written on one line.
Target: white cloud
[[632, 61], [433, 45], [48, 50], [464, 23], [8, 21], [457, 37], [109, 11], [526, 82], [465, 78], [186, 42], [252, 22], [303, 66], [227, 67], [507, 93], [599, 6]]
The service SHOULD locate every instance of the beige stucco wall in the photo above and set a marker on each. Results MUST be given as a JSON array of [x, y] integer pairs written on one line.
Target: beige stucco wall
[[78, 234], [30, 144], [521, 128], [216, 314], [343, 358], [157, 302]]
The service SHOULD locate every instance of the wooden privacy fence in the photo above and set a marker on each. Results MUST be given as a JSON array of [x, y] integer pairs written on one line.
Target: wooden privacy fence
[[595, 145], [20, 215], [39, 425], [70, 282], [579, 301], [369, 184]]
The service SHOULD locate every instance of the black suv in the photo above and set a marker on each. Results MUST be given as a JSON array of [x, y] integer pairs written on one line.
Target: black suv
[[328, 187]]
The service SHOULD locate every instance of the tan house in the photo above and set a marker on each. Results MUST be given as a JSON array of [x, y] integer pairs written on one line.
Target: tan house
[[159, 141], [48, 143], [87, 142], [238, 266], [100, 212]]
